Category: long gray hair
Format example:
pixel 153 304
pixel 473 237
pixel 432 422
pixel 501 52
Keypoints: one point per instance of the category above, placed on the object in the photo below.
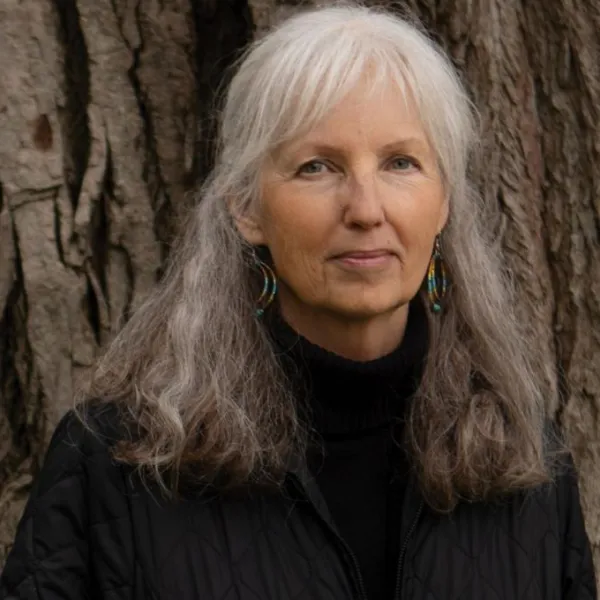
pixel 193 369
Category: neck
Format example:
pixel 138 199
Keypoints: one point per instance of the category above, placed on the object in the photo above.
pixel 356 339
pixel 343 394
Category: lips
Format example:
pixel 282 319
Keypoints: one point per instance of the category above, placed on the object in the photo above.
pixel 364 254
pixel 364 259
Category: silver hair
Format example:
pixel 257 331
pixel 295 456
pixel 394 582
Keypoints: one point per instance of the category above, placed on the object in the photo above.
pixel 194 369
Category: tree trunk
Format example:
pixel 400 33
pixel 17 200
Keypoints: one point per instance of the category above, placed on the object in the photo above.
pixel 106 122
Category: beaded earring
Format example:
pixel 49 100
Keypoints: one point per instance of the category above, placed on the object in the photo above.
pixel 437 281
pixel 269 287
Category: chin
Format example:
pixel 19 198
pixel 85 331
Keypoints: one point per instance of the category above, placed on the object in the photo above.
pixel 368 308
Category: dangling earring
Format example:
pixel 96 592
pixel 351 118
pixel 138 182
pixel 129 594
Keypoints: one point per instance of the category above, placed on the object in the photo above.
pixel 437 282
pixel 269 287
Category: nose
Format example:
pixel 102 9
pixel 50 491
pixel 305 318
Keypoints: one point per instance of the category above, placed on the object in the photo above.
pixel 363 203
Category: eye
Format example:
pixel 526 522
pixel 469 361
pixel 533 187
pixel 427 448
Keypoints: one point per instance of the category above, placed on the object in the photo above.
pixel 403 163
pixel 313 167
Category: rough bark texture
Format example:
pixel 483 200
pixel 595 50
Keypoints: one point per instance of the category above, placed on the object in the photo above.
pixel 107 119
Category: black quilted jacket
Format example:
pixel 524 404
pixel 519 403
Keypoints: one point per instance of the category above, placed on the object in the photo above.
pixel 93 530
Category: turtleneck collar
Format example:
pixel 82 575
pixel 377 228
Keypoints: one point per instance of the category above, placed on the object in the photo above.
pixel 345 396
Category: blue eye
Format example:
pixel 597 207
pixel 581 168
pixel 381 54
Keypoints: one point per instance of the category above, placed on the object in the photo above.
pixel 312 167
pixel 403 163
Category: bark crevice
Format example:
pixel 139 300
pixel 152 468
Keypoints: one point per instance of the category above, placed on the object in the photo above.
pixel 76 134
pixel 57 231
pixel 230 25
pixel 15 378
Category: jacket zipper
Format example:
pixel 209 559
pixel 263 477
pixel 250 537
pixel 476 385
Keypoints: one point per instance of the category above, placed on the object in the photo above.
pixel 361 584
pixel 403 550
pixel 362 594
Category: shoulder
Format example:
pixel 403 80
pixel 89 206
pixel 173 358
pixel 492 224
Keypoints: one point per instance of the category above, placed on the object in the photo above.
pixel 101 424
pixel 83 434
pixel 77 504
pixel 79 478
pixel 566 486
pixel 578 577
pixel 79 462
pixel 563 472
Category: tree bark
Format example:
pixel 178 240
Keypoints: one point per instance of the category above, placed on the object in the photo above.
pixel 107 122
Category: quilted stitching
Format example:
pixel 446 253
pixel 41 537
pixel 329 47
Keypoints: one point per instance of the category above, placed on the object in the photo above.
pixel 509 551
pixel 250 547
pixel 90 531
pixel 56 542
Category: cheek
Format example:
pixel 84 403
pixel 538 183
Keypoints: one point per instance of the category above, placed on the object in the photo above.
pixel 423 210
pixel 297 261
pixel 296 248
pixel 298 230
pixel 299 250
pixel 417 223
pixel 299 268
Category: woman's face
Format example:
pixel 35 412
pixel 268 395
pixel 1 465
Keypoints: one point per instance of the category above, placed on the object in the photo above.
pixel 350 210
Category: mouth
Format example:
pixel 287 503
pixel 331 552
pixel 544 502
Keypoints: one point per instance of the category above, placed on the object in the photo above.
pixel 364 258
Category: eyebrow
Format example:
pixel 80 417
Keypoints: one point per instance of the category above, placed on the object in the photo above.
pixel 320 147
pixel 418 142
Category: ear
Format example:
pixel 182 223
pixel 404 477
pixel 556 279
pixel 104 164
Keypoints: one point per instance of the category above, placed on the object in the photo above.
pixel 444 214
pixel 247 223
pixel 250 229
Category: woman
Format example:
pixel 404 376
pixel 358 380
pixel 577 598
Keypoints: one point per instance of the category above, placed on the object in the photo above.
pixel 328 396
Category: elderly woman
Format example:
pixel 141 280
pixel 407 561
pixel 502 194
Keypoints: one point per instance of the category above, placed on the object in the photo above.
pixel 328 396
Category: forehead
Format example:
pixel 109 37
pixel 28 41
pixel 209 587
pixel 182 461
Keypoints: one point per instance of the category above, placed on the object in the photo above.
pixel 369 114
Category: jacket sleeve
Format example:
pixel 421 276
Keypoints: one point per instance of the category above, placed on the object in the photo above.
pixel 51 556
pixel 578 578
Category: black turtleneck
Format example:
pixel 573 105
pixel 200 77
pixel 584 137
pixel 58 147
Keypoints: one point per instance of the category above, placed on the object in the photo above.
pixel 356 411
